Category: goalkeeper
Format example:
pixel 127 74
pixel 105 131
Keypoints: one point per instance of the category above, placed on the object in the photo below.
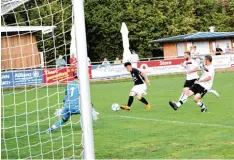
pixel 71 106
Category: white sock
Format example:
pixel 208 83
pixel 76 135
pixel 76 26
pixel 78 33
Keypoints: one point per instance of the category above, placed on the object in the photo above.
pixel 178 104
pixel 200 104
pixel 182 101
pixel 214 92
pixel 94 115
pixel 54 126
pixel 181 96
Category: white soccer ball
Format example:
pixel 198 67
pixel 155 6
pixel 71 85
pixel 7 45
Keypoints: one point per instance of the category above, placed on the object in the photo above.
pixel 115 107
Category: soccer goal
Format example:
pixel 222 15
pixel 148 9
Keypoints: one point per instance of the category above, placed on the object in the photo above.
pixel 35 53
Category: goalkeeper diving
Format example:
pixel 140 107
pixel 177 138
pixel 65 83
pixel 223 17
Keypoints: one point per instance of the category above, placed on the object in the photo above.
pixel 71 106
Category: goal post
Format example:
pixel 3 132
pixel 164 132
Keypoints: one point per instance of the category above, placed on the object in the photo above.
pixel 81 45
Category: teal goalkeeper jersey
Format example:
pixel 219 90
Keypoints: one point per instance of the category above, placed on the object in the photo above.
pixel 72 95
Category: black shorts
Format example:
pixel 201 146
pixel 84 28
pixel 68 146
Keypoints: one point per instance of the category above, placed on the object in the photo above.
pixel 189 83
pixel 197 88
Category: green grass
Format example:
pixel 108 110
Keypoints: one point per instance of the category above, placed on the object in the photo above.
pixel 157 133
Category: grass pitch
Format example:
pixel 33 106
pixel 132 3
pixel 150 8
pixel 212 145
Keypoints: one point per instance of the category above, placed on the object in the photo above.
pixel 158 133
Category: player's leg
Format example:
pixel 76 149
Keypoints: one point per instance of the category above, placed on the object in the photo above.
pixel 66 115
pixel 197 100
pixel 130 100
pixel 185 90
pixel 187 85
pixel 94 113
pixel 184 99
pixel 214 92
pixel 143 100
pixel 191 91
pixel 141 90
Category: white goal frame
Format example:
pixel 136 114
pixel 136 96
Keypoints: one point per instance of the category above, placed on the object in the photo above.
pixel 81 51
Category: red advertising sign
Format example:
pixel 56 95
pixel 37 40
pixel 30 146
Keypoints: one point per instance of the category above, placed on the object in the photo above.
pixel 65 75
pixel 74 69
pixel 161 66
pixel 158 63
pixel 52 75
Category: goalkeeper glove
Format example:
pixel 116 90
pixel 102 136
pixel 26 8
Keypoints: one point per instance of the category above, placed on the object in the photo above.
pixel 94 114
pixel 58 112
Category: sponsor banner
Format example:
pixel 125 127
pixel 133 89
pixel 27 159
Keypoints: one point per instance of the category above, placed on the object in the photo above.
pixel 161 69
pixel 155 63
pixel 155 67
pixel 64 75
pixel 161 66
pixel 167 69
pixel 232 60
pixel 52 75
pixel 221 61
pixel 22 78
pixel 6 79
pixel 31 77
pixel 110 71
pixel 74 69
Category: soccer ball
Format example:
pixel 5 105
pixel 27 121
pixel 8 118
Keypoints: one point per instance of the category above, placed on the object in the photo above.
pixel 115 107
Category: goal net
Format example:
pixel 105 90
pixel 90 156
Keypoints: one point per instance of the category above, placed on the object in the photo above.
pixel 35 53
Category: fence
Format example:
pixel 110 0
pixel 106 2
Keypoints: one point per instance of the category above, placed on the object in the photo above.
pixel 52 75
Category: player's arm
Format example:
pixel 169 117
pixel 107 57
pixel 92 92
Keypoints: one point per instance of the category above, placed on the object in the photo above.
pixel 210 74
pixel 196 69
pixel 205 79
pixel 143 74
pixel 196 54
pixel 195 66
pixel 183 64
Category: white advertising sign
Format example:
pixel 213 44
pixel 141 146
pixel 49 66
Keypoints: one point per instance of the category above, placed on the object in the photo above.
pixel 109 71
pixel 221 61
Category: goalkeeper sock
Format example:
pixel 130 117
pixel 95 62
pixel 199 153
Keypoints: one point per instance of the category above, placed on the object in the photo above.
pixel 130 100
pixel 58 124
pixel 143 100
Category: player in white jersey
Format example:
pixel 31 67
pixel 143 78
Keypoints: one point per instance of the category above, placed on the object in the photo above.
pixel 191 67
pixel 199 89
pixel 201 65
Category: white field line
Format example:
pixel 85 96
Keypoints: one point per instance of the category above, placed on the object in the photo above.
pixel 178 122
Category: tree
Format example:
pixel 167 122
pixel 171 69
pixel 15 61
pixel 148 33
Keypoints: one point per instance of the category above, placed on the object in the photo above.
pixel 146 20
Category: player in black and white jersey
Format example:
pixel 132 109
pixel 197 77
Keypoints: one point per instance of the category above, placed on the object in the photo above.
pixel 201 86
pixel 191 68
pixel 140 79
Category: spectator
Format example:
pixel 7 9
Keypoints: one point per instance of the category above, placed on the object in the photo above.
pixel 89 61
pixel 73 61
pixel 194 51
pixel 105 62
pixel 60 62
pixel 73 64
pixel 117 61
pixel 228 49
pixel 219 51
pixel 134 57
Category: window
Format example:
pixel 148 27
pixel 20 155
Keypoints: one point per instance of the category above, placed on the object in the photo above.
pixel 223 44
pixel 180 49
pixel 203 47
